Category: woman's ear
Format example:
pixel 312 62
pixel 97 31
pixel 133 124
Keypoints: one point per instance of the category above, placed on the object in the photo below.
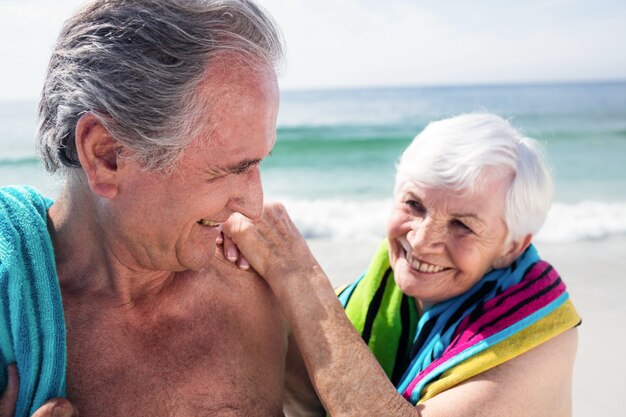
pixel 515 249
pixel 98 154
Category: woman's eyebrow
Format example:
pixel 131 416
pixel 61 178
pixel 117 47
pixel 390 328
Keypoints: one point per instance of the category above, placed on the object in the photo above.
pixel 467 215
pixel 412 195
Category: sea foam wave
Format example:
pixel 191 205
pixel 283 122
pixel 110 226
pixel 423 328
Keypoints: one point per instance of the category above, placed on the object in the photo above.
pixel 359 220
pixel 587 220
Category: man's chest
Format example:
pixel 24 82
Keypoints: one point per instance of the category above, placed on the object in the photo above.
pixel 226 359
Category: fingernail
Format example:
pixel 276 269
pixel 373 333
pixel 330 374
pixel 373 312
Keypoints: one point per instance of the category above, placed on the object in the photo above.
pixel 243 264
pixel 231 254
pixel 59 411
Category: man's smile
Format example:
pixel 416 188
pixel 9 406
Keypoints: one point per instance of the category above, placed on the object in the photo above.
pixel 209 223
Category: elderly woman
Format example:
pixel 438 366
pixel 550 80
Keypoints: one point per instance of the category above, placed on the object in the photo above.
pixel 456 315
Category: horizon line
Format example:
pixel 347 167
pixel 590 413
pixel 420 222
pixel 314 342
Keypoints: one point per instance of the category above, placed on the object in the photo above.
pixel 478 84
pixel 467 84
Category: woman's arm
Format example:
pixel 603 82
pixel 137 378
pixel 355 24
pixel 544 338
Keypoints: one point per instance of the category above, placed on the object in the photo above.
pixel 347 377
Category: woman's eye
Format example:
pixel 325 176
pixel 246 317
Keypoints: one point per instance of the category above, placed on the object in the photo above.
pixel 415 206
pixel 462 226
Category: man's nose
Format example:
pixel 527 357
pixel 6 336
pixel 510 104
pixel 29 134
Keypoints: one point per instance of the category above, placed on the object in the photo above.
pixel 248 196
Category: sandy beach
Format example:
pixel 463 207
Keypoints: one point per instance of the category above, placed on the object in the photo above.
pixel 594 273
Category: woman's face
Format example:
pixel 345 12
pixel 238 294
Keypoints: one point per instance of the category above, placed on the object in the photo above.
pixel 442 242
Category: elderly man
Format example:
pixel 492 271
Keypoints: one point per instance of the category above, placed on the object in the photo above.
pixel 157 113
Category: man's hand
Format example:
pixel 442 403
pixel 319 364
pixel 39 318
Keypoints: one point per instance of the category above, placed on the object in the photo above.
pixel 56 407
pixel 9 396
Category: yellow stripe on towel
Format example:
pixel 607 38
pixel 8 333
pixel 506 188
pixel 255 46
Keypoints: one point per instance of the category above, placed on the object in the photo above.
pixel 563 318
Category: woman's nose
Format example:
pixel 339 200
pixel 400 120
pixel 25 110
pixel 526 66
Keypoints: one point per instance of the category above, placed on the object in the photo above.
pixel 427 234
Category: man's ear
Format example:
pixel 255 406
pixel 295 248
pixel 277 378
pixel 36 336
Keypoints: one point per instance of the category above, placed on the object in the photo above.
pixel 515 249
pixel 98 154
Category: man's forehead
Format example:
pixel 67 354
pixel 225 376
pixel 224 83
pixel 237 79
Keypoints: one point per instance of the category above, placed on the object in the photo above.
pixel 228 78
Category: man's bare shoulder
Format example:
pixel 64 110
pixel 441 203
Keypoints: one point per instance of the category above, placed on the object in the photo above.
pixel 211 342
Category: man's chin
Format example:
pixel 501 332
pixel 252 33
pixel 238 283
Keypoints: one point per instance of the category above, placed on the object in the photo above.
pixel 198 263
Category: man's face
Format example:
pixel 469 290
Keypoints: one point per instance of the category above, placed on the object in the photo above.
pixel 170 222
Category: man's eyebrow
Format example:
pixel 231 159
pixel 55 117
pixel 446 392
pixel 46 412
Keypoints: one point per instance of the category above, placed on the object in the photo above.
pixel 240 167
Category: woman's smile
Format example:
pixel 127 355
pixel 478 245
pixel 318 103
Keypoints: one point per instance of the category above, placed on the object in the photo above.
pixel 416 264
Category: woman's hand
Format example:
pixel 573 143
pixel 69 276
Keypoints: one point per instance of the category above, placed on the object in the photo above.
pixel 231 251
pixel 55 407
pixel 272 245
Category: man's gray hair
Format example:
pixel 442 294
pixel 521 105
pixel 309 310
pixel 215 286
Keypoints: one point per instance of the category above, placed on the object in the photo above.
pixel 456 153
pixel 136 65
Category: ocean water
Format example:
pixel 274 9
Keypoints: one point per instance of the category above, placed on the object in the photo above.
pixel 333 163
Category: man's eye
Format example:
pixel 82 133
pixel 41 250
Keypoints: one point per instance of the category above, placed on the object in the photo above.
pixel 244 168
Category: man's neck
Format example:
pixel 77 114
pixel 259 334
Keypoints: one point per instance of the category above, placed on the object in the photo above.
pixel 87 260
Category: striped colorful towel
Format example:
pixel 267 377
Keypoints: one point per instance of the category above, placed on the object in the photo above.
pixel 508 312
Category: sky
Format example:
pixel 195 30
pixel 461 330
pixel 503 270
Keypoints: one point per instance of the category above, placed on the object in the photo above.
pixel 375 43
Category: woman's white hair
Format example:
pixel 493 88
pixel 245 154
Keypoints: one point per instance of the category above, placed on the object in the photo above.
pixel 458 153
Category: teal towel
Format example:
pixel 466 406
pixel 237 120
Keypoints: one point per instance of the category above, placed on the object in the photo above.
pixel 32 325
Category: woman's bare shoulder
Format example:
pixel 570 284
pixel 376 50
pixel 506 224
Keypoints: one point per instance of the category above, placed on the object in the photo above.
pixel 536 383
